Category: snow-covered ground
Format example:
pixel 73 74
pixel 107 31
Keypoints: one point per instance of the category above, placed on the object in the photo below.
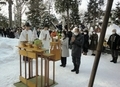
pixel 108 74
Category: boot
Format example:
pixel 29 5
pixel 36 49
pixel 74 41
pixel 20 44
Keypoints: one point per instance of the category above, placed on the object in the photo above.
pixel 64 62
pixel 112 61
pixel 77 69
pixel 73 70
pixel 61 61
pixel 115 60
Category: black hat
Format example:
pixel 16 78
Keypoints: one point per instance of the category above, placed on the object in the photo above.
pixel 27 24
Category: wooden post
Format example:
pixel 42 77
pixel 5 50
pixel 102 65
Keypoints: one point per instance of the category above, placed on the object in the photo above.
pixel 20 66
pixel 10 2
pixel 41 72
pixel 53 72
pixel 25 69
pixel 36 71
pixel 100 45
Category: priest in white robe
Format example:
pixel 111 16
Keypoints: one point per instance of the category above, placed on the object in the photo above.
pixel 45 37
pixel 26 34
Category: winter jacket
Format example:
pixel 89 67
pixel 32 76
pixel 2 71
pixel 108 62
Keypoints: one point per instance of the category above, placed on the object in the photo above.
pixel 93 42
pixel 77 45
pixel 65 47
pixel 113 41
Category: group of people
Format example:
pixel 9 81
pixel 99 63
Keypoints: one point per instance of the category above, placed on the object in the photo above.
pixel 78 41
pixel 9 32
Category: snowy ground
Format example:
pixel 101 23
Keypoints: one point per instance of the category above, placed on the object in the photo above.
pixel 107 74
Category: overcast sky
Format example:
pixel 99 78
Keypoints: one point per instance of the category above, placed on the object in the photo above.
pixel 83 7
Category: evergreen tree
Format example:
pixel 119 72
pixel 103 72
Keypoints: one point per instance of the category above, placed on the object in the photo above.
pixel 37 14
pixel 3 21
pixel 65 6
pixel 116 14
pixel 94 12
pixel 34 14
pixel 74 16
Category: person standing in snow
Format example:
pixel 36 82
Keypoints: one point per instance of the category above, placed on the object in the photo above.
pixel 45 37
pixel 86 42
pixel 64 48
pixel 93 42
pixel 77 41
pixel 26 36
pixel 113 43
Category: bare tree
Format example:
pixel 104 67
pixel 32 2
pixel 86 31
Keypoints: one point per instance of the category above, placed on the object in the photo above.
pixel 18 11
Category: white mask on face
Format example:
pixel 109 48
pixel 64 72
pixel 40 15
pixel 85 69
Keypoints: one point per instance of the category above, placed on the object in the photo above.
pixel 75 33
pixel 85 33
pixel 93 32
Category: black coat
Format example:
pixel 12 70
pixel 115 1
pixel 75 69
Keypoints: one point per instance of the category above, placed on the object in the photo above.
pixel 86 43
pixel 113 41
pixel 93 42
pixel 77 45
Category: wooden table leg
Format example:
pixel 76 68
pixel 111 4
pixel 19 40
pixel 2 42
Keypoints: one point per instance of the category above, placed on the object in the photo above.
pixel 29 67
pixel 48 73
pixel 42 72
pixel 53 72
pixel 36 72
pixel 45 81
pixel 25 68
pixel 20 66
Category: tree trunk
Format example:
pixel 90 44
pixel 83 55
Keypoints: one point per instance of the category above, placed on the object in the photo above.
pixel 10 13
pixel 68 19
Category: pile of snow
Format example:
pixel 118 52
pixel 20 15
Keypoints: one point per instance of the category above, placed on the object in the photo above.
pixel 8 49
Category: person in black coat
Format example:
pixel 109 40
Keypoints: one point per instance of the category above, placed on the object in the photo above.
pixel 86 42
pixel 93 42
pixel 77 41
pixel 113 43
pixel 11 34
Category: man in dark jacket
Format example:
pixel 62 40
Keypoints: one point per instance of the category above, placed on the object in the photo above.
pixel 113 44
pixel 77 42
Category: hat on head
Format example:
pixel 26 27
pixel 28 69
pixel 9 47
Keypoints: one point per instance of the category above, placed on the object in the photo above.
pixel 27 24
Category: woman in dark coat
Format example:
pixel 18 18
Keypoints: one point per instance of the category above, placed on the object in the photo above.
pixel 86 42
pixel 93 42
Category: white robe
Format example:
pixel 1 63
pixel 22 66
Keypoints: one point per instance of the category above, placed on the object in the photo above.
pixel 26 35
pixel 34 34
pixel 46 43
